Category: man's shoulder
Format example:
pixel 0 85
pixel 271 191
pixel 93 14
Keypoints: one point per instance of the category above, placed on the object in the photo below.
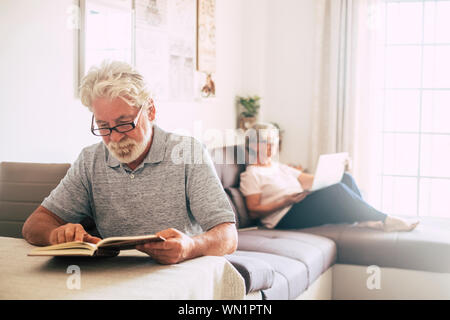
pixel 182 143
pixel 92 152
pixel 186 149
pixel 93 149
pixel 174 139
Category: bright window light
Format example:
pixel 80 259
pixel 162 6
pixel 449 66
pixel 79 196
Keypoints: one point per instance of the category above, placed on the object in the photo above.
pixel 415 161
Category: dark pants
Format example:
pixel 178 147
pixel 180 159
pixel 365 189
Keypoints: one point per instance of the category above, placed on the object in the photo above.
pixel 339 203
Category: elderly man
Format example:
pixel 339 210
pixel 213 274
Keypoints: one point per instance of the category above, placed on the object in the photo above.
pixel 133 183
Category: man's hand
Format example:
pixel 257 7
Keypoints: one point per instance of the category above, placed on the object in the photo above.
pixel 177 247
pixel 295 197
pixel 71 232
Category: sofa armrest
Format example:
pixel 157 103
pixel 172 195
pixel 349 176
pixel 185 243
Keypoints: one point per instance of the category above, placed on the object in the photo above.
pixel 257 274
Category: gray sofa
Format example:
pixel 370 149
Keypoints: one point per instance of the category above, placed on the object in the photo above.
pixel 23 187
pixel 332 261
pixel 326 262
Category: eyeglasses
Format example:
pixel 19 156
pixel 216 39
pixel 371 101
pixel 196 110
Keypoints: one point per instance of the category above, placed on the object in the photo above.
pixel 124 127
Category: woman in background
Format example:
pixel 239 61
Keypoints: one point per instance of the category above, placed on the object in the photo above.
pixel 277 195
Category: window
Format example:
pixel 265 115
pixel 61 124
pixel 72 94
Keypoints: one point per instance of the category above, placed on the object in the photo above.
pixel 106 33
pixel 415 133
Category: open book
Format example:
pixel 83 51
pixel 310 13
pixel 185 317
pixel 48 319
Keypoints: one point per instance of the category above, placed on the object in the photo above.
pixel 106 247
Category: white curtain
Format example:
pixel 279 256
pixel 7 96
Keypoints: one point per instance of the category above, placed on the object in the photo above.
pixel 344 111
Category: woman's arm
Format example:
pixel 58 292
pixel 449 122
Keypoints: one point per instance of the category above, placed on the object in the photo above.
pixel 306 180
pixel 258 211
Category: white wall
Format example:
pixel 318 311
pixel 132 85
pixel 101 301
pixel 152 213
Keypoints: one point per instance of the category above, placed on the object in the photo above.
pixel 264 47
pixel 278 55
pixel 41 120
pixel 288 72
pixel 219 112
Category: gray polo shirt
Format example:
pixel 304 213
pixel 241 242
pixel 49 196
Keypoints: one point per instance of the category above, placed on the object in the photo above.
pixel 176 186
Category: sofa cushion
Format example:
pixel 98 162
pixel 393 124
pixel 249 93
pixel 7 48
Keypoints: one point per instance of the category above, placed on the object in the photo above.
pixel 23 186
pixel 289 252
pixel 229 162
pixel 236 213
pixel 426 248
pixel 239 203
pixel 257 273
pixel 289 278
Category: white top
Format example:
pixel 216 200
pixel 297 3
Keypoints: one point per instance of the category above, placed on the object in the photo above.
pixel 273 183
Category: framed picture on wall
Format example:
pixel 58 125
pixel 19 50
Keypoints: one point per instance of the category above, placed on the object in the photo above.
pixel 206 44
pixel 165 47
pixel 206 36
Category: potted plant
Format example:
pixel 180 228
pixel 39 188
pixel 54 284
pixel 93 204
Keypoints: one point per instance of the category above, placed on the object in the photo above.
pixel 249 107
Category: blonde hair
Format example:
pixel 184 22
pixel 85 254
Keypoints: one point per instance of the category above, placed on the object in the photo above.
pixel 114 79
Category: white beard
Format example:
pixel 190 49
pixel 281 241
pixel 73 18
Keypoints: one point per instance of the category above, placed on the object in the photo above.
pixel 128 150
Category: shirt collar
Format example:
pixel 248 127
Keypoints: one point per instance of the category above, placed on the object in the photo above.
pixel 155 154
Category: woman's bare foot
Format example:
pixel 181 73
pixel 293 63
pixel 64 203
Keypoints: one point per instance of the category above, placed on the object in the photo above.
pixel 392 224
pixel 378 225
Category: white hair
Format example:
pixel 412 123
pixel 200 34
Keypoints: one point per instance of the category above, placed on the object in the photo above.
pixel 261 131
pixel 263 126
pixel 114 79
pixel 264 131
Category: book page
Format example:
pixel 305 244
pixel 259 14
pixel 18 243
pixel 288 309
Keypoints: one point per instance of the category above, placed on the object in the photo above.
pixel 69 245
pixel 106 247
pixel 124 243
pixel 63 252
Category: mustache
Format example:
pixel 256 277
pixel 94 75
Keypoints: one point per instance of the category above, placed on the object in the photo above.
pixel 126 144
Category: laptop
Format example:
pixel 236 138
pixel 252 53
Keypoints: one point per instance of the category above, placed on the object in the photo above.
pixel 330 170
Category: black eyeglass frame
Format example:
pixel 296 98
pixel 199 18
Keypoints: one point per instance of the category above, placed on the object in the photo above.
pixel 133 125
